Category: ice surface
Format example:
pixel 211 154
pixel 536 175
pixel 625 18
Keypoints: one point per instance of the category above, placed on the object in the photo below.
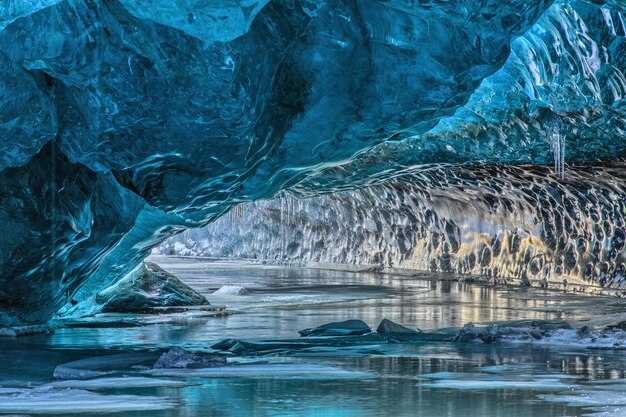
pixel 231 290
pixel 527 376
pixel 118 383
pixel 342 328
pixel 101 365
pixel 262 371
pixel 179 358
pixel 597 402
pixel 542 384
pixel 11 10
pixel 46 400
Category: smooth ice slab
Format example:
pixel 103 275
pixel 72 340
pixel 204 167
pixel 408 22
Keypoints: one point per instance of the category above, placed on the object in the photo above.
pixel 290 370
pixel 118 383
pixel 72 401
pixel 101 365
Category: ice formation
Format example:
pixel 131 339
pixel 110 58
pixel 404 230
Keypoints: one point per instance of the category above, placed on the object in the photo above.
pixel 518 225
pixel 124 122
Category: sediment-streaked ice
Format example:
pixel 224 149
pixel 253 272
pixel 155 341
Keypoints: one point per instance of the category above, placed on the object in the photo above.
pixel 47 400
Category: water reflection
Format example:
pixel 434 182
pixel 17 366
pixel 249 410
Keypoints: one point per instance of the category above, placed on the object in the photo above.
pixel 285 300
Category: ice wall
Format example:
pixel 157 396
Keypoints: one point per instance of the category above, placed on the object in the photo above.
pixel 123 122
pixel 520 225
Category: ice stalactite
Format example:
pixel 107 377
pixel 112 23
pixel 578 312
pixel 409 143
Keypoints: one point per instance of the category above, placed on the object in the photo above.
pixel 557 140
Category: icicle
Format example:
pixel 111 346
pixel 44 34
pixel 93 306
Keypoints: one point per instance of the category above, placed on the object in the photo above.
pixel 557 141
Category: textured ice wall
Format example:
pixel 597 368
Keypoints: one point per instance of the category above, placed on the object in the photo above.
pixel 123 122
pixel 519 224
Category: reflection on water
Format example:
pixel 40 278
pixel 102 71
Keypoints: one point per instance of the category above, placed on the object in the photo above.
pixel 398 380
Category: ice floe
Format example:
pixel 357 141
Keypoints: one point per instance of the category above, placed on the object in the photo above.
pixel 261 371
pixel 231 290
pixel 118 383
pixel 48 400
pixel 528 376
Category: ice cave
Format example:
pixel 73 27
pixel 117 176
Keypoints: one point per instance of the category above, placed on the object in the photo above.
pixel 313 208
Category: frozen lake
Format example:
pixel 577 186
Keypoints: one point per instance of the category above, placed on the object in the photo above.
pixel 560 377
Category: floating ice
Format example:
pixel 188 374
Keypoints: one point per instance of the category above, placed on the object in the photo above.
pixel 341 328
pixel 231 290
pixel 101 365
pixel 47 400
pixel 118 383
pixel 586 396
pixel 179 358
pixel 531 377
pixel 541 384
pixel 262 371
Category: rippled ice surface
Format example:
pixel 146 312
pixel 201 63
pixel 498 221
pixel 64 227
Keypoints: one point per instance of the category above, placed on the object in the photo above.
pixel 426 379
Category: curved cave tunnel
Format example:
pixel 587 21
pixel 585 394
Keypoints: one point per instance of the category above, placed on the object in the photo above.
pixel 483 139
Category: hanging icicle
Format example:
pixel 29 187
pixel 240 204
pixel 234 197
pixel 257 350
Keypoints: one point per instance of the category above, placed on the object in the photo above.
pixel 557 140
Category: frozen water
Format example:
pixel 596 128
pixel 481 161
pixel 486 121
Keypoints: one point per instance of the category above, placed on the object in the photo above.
pixel 46 400
pixel 540 384
pixel 101 365
pixel 278 370
pixel 377 377
pixel 531 377
pixel 118 383
pixel 231 290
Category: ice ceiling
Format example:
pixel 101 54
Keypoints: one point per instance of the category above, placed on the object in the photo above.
pixel 124 122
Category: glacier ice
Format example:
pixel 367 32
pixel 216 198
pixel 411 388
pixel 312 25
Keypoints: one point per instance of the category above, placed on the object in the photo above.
pixel 520 224
pixel 124 122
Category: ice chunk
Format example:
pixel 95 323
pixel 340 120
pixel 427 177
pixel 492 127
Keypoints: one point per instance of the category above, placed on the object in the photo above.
pixel 261 371
pixel 588 396
pixel 101 365
pixel 180 358
pixel 149 288
pixel 231 290
pixel 388 326
pixel 341 328
pixel 46 400
pixel 118 383
pixel 541 384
